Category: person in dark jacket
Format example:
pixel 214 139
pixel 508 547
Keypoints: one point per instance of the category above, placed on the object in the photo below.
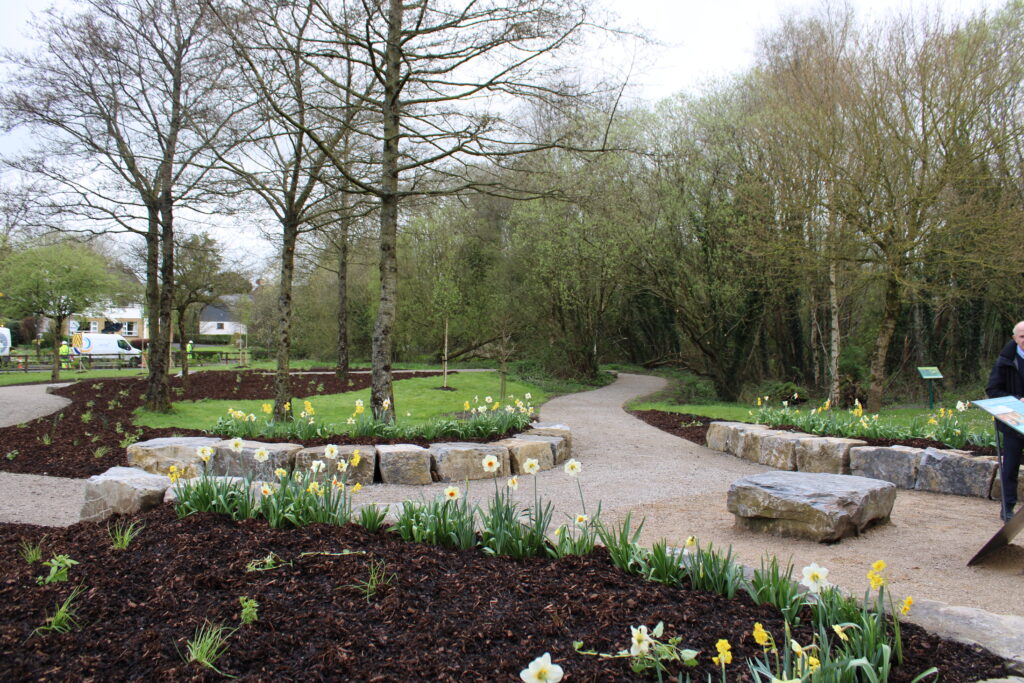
pixel 1007 379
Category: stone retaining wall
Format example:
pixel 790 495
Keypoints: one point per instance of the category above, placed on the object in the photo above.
pixel 924 469
pixel 124 490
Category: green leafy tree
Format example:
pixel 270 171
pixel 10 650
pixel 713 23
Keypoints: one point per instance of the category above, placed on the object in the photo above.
pixel 56 281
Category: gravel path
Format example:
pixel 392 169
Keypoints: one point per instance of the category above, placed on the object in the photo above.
pixel 31 498
pixel 679 488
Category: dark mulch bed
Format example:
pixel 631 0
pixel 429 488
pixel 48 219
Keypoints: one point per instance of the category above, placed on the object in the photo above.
pixel 695 428
pixel 445 615
pixel 86 437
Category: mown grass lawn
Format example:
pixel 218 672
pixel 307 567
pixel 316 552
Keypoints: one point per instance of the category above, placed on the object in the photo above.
pixel 416 400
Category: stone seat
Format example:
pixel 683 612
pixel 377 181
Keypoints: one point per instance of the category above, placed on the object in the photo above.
pixel 819 507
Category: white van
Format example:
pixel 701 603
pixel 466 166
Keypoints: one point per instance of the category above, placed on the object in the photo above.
pixel 106 346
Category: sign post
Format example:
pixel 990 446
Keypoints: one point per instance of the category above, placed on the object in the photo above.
pixel 1010 411
pixel 930 374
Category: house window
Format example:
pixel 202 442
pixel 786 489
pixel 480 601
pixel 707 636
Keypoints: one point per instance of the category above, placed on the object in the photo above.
pixel 220 326
pixel 94 326
pixel 129 330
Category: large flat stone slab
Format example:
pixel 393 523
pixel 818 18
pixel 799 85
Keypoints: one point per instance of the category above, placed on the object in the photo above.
pixel 404 464
pixel 157 455
pixel 779 450
pixel 122 490
pixel 725 436
pixel 521 450
pixel 825 454
pixel 554 429
pixel 459 461
pixel 559 446
pixel 895 464
pixel 821 507
pixel 227 462
pixel 955 472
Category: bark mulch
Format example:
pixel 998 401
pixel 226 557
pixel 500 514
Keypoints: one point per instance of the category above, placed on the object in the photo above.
pixel 91 435
pixel 440 615
pixel 695 428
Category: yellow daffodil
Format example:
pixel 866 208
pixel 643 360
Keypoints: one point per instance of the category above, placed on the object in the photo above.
pixel 287 406
pixel 357 487
pixel 840 631
pixel 761 636
pixel 356 458
pixel 905 607
pixel 465 406
pixel 267 408
pixel 281 472
pixel 724 652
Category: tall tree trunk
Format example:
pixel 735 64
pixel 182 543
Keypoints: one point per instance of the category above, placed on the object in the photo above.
pixel 382 391
pixel 444 359
pixel 152 296
pixel 282 385
pixel 341 370
pixel 834 338
pixel 158 393
pixel 890 314
pixel 184 351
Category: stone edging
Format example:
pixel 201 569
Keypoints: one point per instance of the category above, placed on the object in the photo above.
pixel 923 469
pixel 127 490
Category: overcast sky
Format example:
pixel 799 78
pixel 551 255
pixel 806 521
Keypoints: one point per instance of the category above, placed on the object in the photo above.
pixel 701 40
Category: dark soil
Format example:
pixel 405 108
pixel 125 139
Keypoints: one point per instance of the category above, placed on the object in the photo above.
pixel 442 615
pixel 91 435
pixel 695 428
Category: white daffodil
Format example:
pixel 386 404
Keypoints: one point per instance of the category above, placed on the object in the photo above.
pixel 527 396
pixel 342 465
pixel 531 466
pixel 488 399
pixel 490 463
pixel 641 641
pixel 815 578
pixel 451 493
pixel 513 483
pixel 261 455
pixel 542 670
pixel 316 466
pixel 235 444
pixel 386 405
pixel 330 451
pixel 573 467
pixel 961 406
pixel 581 519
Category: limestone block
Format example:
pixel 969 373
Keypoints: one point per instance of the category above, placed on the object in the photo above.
pixel 559 446
pixel 779 450
pixel 825 454
pixel 553 429
pixel 228 463
pixel 520 450
pixel 896 464
pixel 157 455
pixel 122 490
pixel 821 507
pixel 724 436
pixel 1001 634
pixel 171 494
pixel 955 472
pixel 458 461
pixel 404 464
pixel 748 442
pixel 996 493
pixel 360 474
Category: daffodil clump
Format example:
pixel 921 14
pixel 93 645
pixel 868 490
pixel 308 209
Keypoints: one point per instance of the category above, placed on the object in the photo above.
pixel 285 499
pixel 481 421
pixel 947 425
pixel 649 653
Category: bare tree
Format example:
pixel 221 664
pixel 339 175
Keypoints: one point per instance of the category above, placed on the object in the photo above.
pixel 123 101
pixel 447 77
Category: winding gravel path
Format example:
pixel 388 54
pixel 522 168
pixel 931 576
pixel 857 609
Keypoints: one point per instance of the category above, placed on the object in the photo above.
pixel 678 488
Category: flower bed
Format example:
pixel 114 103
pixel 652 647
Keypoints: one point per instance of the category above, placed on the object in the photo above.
pixel 321 601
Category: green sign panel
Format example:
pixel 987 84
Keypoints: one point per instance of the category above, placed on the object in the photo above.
pixel 930 373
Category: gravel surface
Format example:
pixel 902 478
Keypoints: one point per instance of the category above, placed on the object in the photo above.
pixel 679 488
pixel 27 402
